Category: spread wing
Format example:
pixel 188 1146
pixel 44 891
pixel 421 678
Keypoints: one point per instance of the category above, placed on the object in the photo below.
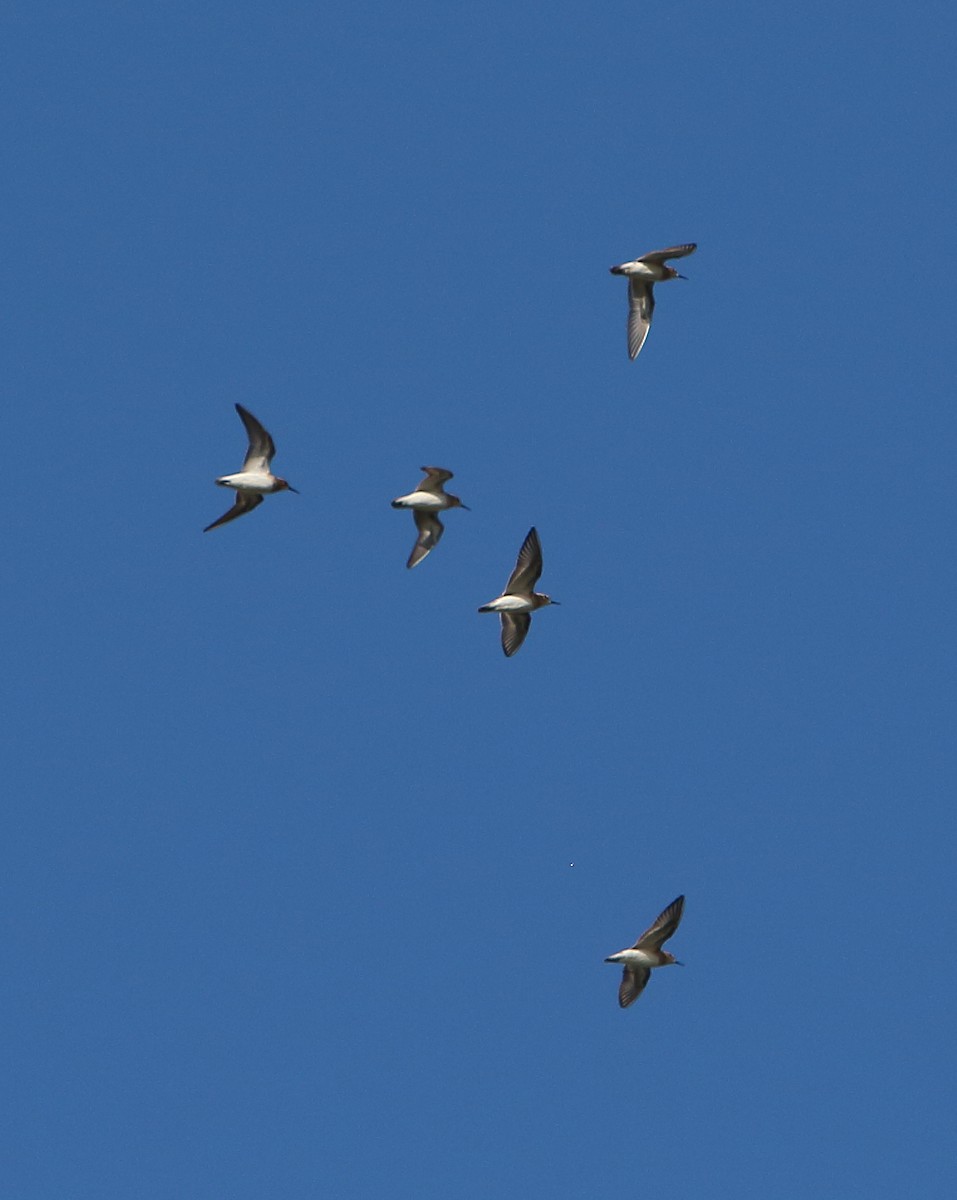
pixel 633 982
pixel 245 502
pixel 641 304
pixel 664 926
pixel 434 478
pixel 430 530
pixel 528 569
pixel 515 627
pixel 661 256
pixel 261 447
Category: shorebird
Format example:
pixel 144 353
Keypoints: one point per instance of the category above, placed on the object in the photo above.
pixel 643 273
pixel 518 601
pixel 646 953
pixel 255 479
pixel 427 501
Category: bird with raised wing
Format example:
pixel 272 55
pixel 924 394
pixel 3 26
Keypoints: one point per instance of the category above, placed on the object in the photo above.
pixel 519 599
pixel 643 273
pixel 256 479
pixel 427 501
pixel 641 959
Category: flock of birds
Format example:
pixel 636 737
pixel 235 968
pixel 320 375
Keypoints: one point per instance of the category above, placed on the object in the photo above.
pixel 518 599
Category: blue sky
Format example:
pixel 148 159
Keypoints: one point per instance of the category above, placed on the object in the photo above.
pixel 306 888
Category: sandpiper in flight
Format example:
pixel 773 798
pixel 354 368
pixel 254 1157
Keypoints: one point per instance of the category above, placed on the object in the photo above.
pixel 646 953
pixel 643 273
pixel 427 501
pixel 255 479
pixel 518 601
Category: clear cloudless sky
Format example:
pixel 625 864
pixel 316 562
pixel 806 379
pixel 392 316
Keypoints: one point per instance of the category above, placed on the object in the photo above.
pixel 305 887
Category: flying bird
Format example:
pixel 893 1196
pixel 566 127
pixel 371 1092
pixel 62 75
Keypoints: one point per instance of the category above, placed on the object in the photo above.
pixel 643 273
pixel 427 501
pixel 646 954
pixel 256 479
pixel 518 601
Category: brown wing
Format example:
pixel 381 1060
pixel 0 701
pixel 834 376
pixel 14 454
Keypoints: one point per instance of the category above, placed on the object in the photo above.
pixel 245 502
pixel 641 305
pixel 262 449
pixel 664 926
pixel 515 627
pixel 430 530
pixel 435 477
pixel 633 982
pixel 661 256
pixel 528 568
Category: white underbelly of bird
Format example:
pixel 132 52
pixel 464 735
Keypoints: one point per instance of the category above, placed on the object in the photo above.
pixel 510 604
pixel 248 482
pixel 427 501
pixel 635 958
